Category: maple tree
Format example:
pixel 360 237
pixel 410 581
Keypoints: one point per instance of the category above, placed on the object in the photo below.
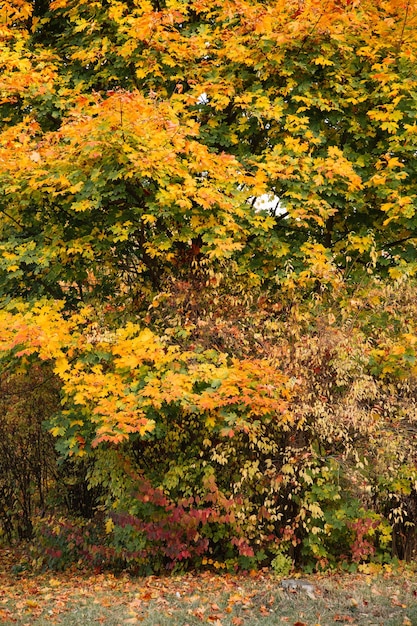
pixel 226 359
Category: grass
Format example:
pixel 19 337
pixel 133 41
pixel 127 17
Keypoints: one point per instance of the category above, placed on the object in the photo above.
pixel 74 598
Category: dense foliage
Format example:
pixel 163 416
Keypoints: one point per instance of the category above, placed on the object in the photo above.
pixel 207 259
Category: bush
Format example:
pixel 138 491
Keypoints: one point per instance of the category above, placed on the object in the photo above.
pixel 59 543
pixel 301 451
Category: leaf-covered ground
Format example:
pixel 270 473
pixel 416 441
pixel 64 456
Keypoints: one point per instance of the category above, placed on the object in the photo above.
pixel 75 598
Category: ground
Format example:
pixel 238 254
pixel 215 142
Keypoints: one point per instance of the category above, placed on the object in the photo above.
pixel 77 598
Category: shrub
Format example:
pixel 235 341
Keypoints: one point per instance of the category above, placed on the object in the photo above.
pixel 61 542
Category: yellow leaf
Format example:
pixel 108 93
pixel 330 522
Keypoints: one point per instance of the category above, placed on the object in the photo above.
pixel 32 604
pixel 56 431
pixel 322 61
pixel 109 526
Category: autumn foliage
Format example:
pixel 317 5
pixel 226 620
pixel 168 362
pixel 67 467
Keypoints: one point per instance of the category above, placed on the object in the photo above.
pixel 207 273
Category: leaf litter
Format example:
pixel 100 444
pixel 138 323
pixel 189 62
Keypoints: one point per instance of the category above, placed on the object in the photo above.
pixel 76 597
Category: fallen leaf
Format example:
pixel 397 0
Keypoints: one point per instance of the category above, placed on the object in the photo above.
pixel 199 612
pixel 32 604
pixel 5 615
pixel 214 619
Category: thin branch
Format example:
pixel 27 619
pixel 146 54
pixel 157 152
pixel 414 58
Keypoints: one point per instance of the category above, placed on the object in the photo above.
pixel 11 218
pixel 392 244
pixel 307 37
pixel 281 216
pixel 400 43
pixel 121 119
